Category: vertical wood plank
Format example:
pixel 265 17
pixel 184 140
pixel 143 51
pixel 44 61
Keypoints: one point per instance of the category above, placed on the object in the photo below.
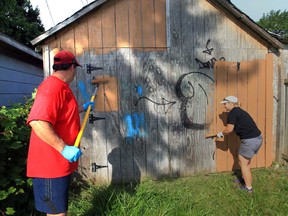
pixel 122 20
pixel 81 35
pixel 243 85
pixel 252 96
pixel 95 31
pixel 176 130
pixel 242 89
pixel 162 67
pixel 67 39
pixel 269 110
pixel 148 23
pixel 199 23
pixel 135 24
pixel 175 24
pixel 86 142
pixel 160 23
pixel 99 128
pixel 187 21
pixel 221 116
pixel 232 138
pixel 138 114
pixel 111 123
pixel 260 157
pixel 116 149
pixel 108 26
pixel 126 127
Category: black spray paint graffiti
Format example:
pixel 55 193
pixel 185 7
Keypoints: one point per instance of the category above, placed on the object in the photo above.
pixel 209 64
pixel 188 123
pixel 164 103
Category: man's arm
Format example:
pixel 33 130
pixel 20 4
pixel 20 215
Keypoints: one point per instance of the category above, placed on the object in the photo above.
pixel 46 132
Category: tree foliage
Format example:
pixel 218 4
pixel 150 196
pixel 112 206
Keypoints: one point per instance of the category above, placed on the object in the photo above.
pixel 275 22
pixel 20 21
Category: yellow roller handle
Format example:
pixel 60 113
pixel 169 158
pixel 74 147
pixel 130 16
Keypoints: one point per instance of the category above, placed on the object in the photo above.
pixel 79 136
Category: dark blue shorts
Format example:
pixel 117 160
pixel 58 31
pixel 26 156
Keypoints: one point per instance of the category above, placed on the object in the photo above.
pixel 51 194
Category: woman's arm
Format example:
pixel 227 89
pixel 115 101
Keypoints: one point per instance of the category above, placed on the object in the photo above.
pixel 229 128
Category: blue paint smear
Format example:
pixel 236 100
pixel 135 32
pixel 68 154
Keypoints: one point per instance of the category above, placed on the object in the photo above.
pixel 139 90
pixel 129 125
pixel 83 91
pixel 136 122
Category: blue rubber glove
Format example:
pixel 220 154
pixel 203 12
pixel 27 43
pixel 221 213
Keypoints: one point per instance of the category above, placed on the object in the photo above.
pixel 71 153
pixel 86 105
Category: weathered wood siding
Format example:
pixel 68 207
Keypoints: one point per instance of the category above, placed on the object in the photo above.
pixel 18 78
pixel 283 126
pixel 163 55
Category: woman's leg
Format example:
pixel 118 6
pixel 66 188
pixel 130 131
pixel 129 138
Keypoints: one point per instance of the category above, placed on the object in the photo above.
pixel 246 170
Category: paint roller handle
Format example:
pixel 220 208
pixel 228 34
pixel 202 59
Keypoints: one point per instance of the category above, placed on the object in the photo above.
pixel 210 136
pixel 80 134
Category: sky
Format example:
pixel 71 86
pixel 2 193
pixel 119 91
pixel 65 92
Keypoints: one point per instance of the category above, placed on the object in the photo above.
pixel 55 11
pixel 256 8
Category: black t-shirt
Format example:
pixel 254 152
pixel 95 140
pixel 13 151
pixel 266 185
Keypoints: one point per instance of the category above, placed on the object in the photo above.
pixel 244 125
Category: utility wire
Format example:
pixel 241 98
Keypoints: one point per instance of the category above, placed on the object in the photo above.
pixel 50 12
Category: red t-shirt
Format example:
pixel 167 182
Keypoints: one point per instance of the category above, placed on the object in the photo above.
pixel 54 103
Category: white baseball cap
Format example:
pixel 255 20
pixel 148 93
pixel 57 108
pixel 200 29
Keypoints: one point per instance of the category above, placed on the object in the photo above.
pixel 232 99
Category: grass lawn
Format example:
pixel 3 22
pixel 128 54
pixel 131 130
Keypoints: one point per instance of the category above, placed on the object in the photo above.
pixel 213 194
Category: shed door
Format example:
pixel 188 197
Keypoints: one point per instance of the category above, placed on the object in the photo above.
pixel 251 82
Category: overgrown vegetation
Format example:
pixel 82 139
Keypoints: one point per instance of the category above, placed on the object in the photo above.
pixel 15 188
pixel 213 194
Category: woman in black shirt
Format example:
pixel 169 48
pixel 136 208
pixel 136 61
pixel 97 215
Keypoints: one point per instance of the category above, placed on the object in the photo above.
pixel 251 139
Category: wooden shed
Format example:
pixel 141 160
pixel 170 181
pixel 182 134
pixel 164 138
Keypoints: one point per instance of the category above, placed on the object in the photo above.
pixel 21 71
pixel 170 63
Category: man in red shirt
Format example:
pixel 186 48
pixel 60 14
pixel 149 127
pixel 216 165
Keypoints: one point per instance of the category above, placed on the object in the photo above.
pixel 55 123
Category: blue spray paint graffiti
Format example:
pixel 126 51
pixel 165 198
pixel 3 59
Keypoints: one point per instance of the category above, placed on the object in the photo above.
pixel 138 128
pixel 135 123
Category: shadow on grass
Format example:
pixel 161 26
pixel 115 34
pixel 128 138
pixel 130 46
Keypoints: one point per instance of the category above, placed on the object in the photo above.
pixel 98 200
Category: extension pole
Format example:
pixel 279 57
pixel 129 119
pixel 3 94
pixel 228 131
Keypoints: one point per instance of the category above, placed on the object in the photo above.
pixel 80 134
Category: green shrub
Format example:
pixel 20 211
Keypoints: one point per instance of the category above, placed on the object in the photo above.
pixel 16 194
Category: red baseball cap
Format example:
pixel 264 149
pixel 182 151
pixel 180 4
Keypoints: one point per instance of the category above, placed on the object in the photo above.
pixel 65 57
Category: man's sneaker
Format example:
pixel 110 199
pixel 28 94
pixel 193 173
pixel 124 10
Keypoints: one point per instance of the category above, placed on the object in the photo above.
pixel 244 188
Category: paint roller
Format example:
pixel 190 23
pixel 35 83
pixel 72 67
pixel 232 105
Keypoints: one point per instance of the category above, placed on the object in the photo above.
pixel 210 136
pixel 98 81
